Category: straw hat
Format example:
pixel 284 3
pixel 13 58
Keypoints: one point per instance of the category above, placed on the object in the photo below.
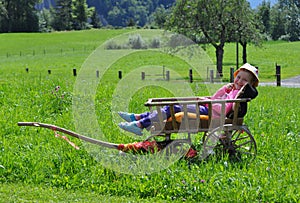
pixel 251 69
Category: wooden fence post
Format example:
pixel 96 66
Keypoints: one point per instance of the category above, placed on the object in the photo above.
pixel 168 75
pixel 191 75
pixel 143 75
pixel 74 72
pixel 211 76
pixel 278 76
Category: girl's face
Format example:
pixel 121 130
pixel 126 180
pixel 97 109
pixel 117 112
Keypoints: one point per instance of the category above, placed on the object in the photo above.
pixel 242 78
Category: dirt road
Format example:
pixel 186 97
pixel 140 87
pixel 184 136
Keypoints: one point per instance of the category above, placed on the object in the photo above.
pixel 290 82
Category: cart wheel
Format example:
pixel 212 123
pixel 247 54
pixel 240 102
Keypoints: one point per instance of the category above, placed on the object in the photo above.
pixel 177 147
pixel 236 141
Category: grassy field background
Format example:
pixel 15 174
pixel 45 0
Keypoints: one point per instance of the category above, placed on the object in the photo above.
pixel 70 49
pixel 265 57
pixel 37 167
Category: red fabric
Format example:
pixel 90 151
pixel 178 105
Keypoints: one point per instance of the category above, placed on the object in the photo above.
pixel 191 153
pixel 139 147
pixel 66 139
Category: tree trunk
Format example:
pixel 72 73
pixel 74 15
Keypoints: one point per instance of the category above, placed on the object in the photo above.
pixel 244 45
pixel 219 56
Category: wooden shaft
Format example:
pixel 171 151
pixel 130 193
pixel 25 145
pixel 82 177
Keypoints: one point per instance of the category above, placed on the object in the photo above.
pixel 71 133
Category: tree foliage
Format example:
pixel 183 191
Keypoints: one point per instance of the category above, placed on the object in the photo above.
pixel 263 14
pixel 245 28
pixel 220 21
pixel 3 13
pixel 120 13
pixel 18 16
pixel 293 20
pixel 95 18
pixel 160 16
pixel 79 14
pixel 62 15
pixel 283 21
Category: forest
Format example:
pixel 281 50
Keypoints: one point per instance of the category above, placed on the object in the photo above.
pixel 277 22
pixel 122 13
pixel 119 13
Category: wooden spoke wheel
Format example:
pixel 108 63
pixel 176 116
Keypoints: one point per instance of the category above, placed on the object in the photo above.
pixel 177 147
pixel 236 141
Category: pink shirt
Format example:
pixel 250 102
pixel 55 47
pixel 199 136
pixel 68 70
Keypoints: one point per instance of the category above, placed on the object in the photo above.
pixel 222 94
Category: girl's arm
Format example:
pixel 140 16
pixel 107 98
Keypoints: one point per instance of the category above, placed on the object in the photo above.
pixel 219 93
pixel 222 91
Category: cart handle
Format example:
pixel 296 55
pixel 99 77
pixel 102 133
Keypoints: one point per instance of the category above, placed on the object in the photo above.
pixel 185 100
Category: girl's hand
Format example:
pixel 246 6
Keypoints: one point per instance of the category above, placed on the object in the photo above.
pixel 229 87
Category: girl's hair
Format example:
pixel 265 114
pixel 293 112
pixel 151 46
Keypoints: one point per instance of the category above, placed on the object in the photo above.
pixel 253 70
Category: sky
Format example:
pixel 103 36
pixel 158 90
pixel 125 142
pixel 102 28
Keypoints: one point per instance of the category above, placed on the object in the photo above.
pixel 255 3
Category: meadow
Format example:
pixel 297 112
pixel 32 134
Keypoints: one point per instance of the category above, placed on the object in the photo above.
pixel 35 166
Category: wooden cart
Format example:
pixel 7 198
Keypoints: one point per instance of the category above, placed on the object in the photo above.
pixel 226 134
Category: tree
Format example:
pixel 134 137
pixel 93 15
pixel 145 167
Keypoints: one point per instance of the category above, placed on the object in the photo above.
pixel 264 15
pixel 44 20
pixel 245 28
pixel 117 15
pixel 3 15
pixel 62 15
pixel 122 13
pixel 18 16
pixel 214 18
pixel 160 16
pixel 95 18
pixel 79 14
pixel 293 20
pixel 141 15
pixel 285 20
pixel 277 22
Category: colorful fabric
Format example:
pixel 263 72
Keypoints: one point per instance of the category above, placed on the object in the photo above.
pixel 180 115
pixel 148 117
pixel 149 147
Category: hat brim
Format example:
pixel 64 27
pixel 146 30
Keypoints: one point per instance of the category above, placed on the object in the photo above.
pixel 257 79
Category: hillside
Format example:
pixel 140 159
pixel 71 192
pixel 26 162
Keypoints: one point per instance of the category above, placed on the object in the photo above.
pixel 120 13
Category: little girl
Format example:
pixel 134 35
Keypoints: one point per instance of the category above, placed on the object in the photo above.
pixel 245 74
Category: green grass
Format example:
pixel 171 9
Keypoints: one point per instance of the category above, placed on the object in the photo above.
pixel 37 193
pixel 63 51
pixel 26 43
pixel 37 167
pixel 59 52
